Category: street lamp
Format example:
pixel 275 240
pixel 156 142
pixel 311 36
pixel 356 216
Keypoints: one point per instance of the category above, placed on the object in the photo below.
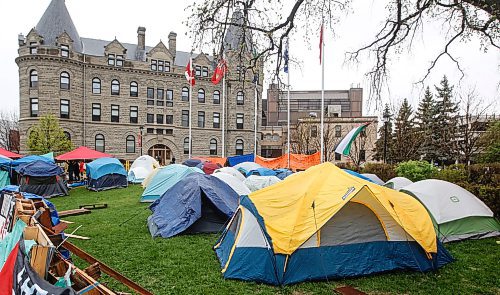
pixel 141 129
pixel 386 118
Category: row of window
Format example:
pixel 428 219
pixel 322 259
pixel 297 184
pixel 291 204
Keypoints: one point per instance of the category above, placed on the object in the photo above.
pixel 134 114
pixel 64 49
pixel 160 65
pixel 130 145
pixel 338 131
pixel 239 147
pixel 134 90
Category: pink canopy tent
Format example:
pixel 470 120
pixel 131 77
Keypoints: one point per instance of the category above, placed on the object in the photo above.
pixel 82 153
pixel 9 154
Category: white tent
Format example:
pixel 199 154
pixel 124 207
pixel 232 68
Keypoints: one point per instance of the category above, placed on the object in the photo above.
pixel 374 178
pixel 237 185
pixel 398 182
pixel 247 166
pixel 141 168
pixel 231 171
pixel 256 182
pixel 457 214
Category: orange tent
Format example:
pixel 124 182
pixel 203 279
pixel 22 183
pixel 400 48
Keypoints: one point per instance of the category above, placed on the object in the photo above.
pixel 297 161
pixel 216 160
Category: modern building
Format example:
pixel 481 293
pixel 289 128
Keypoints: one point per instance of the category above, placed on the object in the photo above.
pixel 304 104
pixel 128 99
pixel 343 111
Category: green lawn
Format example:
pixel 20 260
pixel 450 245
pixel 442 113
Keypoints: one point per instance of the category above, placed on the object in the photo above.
pixel 187 264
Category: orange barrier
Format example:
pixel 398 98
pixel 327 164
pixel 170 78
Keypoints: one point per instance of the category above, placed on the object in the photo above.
pixel 297 161
pixel 216 160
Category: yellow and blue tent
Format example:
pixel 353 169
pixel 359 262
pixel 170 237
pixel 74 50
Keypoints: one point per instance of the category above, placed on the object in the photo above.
pixel 325 223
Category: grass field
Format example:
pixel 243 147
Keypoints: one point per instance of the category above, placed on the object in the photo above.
pixel 187 264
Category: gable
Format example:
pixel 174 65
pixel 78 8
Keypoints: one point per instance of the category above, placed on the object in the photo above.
pixel 115 47
pixel 202 59
pixel 160 51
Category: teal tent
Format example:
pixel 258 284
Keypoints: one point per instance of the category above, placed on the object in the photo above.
pixel 165 178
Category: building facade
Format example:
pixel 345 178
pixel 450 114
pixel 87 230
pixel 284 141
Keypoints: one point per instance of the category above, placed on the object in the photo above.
pixel 343 112
pixel 132 99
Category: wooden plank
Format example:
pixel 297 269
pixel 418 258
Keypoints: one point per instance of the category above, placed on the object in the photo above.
pixel 77 237
pixel 106 269
pixel 73 212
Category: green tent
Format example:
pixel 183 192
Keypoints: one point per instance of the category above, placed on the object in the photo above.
pixel 457 214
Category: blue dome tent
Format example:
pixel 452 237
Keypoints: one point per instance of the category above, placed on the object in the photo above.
pixel 41 178
pixel 165 178
pixel 197 203
pixel 106 173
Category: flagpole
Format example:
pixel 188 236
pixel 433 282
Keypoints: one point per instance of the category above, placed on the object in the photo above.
pixel 255 120
pixel 322 96
pixel 190 106
pixel 223 110
pixel 288 114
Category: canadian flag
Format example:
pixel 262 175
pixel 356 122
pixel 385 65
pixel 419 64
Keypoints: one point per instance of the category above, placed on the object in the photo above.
pixel 219 72
pixel 190 72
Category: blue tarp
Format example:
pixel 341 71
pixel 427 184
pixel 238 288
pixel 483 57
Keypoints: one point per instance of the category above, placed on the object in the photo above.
pixel 39 169
pixel 32 158
pixel 283 173
pixel 235 160
pixel 262 172
pixel 165 178
pixel 105 166
pixel 358 175
pixel 53 211
pixel 181 205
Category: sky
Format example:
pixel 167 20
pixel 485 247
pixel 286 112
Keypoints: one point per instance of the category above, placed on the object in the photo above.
pixel 120 18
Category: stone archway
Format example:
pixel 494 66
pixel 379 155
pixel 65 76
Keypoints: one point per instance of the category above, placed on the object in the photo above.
pixel 161 153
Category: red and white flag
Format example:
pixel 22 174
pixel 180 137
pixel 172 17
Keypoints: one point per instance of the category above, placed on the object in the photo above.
pixel 219 72
pixel 190 72
pixel 320 43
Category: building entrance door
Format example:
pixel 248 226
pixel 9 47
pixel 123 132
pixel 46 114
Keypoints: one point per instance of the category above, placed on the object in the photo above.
pixel 161 153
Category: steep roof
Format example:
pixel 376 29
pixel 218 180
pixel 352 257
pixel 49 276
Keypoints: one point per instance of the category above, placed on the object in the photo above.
pixel 55 21
pixel 235 33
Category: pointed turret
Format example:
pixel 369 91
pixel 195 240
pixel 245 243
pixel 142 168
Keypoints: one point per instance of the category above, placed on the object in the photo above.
pixel 235 34
pixel 54 22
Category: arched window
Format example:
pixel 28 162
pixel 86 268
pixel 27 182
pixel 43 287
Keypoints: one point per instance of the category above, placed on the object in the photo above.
pixel 100 144
pixel 115 87
pixel 213 146
pixel 185 94
pixel 96 86
pixel 338 131
pixel 201 96
pixel 240 98
pixel 68 135
pixel 239 147
pixel 34 78
pixel 134 89
pixel 216 97
pixel 186 145
pixel 64 80
pixel 130 144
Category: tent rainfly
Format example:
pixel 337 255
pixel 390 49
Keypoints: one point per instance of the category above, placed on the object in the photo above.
pixel 42 178
pixel 457 214
pixel 397 183
pixel 256 182
pixel 199 203
pixel 232 171
pixel 106 173
pixel 141 168
pixel 237 185
pixel 374 178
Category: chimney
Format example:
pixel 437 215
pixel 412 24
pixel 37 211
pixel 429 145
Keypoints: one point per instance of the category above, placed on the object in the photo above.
pixel 141 38
pixel 172 43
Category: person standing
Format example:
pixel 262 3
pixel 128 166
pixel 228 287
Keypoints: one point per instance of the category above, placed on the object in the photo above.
pixel 82 169
pixel 70 170
pixel 76 171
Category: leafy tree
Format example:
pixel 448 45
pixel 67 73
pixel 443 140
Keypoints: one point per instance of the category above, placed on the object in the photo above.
pixel 416 170
pixel 406 140
pixel 446 131
pixel 490 141
pixel 379 144
pixel 47 136
pixel 426 126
